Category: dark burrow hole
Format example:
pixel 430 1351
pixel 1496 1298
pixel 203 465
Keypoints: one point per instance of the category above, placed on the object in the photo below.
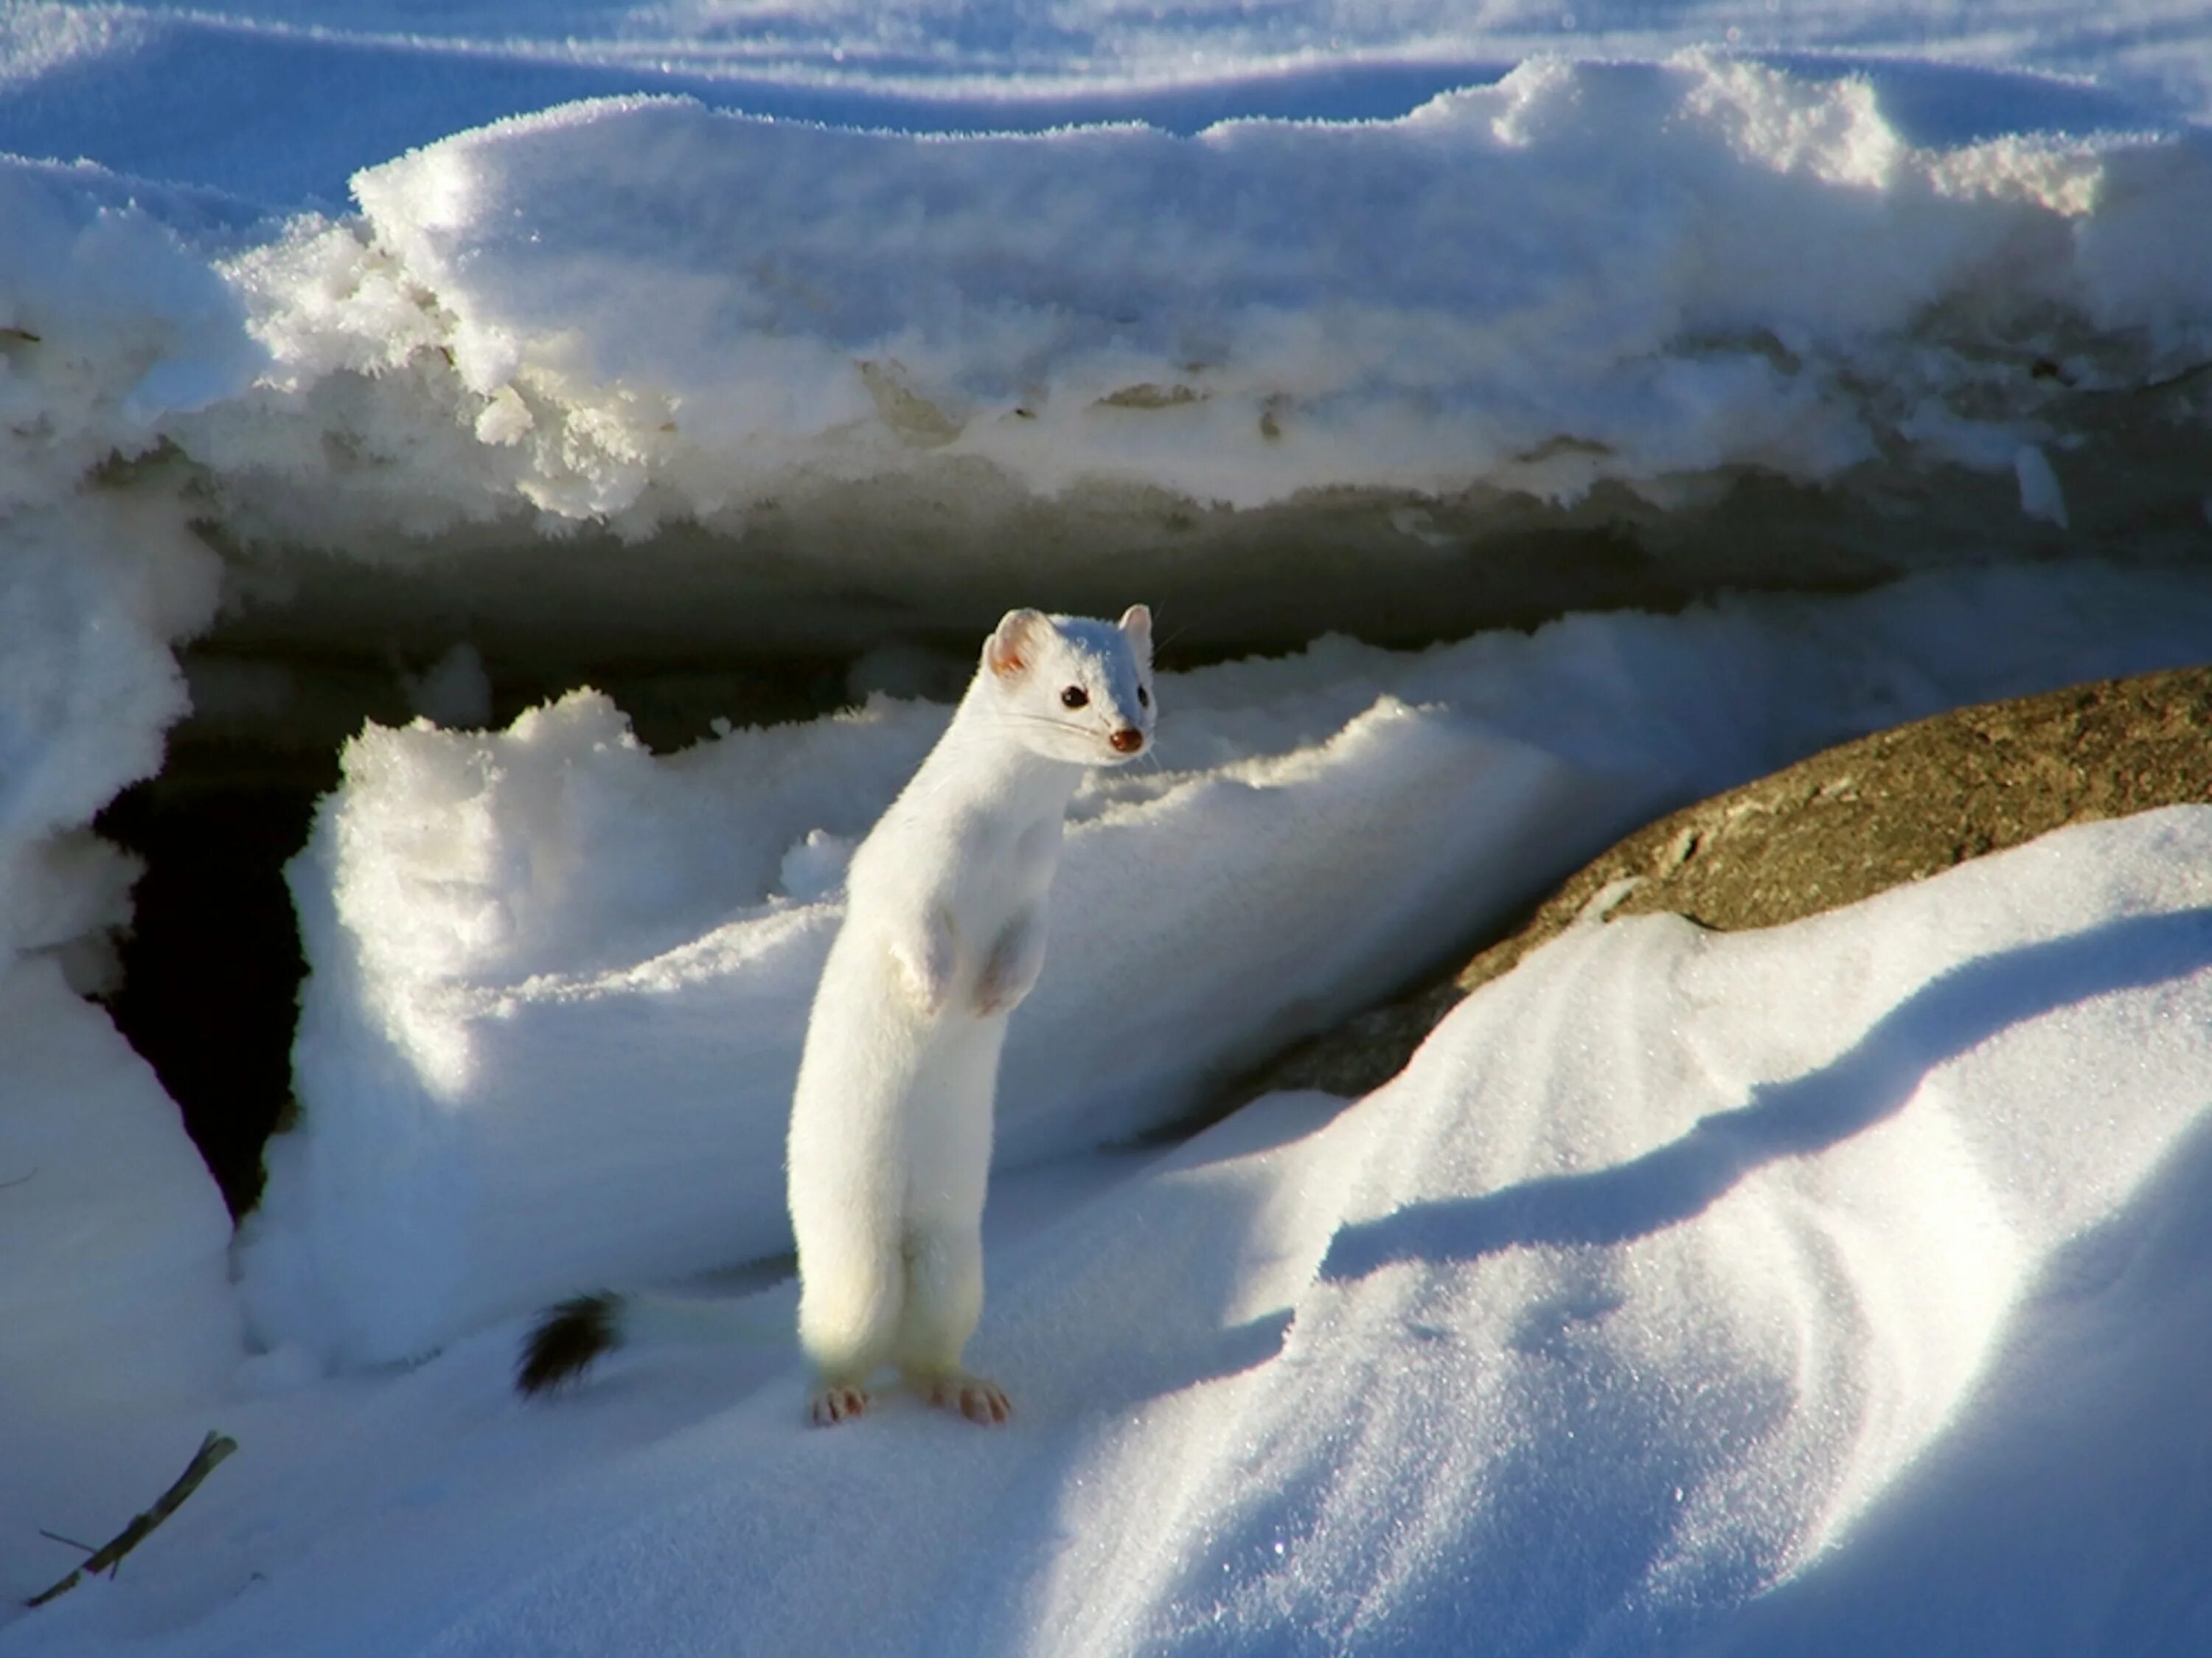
pixel 211 967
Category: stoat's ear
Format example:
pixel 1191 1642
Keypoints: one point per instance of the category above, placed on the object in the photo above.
pixel 1012 644
pixel 1137 623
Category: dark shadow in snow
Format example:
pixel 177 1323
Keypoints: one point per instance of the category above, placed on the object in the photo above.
pixel 1190 1358
pixel 1809 1113
pixel 1145 1291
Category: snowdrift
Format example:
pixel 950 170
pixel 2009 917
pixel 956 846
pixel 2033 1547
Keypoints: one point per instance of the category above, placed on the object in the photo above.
pixel 1687 1291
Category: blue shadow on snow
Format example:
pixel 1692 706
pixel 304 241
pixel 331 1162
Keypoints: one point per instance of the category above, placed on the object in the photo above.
pixel 1869 1083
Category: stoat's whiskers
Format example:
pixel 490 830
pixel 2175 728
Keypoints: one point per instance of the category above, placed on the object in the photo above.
pixel 1007 716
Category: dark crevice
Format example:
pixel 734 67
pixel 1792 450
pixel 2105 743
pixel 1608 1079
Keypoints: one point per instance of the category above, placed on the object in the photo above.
pixel 211 967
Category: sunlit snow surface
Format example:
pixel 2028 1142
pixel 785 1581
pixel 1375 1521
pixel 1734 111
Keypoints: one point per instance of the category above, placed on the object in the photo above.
pixel 1675 1265
pixel 1835 1289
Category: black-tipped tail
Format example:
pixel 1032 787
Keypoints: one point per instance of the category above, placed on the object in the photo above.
pixel 568 1337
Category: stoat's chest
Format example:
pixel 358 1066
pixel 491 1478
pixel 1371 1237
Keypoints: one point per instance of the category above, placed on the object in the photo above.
pixel 983 864
pixel 998 867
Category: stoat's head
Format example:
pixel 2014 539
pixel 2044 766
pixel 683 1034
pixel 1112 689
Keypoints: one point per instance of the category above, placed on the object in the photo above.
pixel 1073 688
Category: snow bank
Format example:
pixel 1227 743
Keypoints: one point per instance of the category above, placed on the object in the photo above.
pixel 115 1292
pixel 557 984
pixel 116 1288
pixel 686 368
pixel 1676 1269
pixel 637 310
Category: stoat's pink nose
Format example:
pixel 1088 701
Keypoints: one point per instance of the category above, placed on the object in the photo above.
pixel 1128 741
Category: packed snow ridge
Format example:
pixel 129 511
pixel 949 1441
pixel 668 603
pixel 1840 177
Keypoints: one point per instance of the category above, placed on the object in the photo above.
pixel 783 358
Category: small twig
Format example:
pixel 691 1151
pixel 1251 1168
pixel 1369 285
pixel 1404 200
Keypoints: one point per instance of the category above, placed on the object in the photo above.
pixel 86 1548
pixel 18 1180
pixel 212 1450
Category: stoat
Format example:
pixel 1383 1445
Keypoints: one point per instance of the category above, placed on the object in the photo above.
pixel 943 935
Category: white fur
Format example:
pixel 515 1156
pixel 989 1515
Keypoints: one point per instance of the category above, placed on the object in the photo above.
pixel 943 935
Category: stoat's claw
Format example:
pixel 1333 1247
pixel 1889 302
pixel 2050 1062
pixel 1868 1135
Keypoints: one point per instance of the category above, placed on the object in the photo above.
pixel 833 1404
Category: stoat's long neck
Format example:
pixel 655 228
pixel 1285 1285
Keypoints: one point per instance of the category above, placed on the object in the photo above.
pixel 981 764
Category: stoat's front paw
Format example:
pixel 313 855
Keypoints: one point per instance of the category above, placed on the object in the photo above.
pixel 993 997
pixel 833 1402
pixel 979 1401
pixel 929 961
pixel 1010 972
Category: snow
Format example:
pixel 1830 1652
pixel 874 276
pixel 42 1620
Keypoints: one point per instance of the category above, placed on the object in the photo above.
pixel 1839 1288
pixel 1128 303
pixel 114 1236
pixel 1665 1273
pixel 286 101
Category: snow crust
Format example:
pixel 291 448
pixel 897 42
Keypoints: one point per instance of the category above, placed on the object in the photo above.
pixel 552 975
pixel 867 361
pixel 99 307
pixel 632 310
pixel 1675 1268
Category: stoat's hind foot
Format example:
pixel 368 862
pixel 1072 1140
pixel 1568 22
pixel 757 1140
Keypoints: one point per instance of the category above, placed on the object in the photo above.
pixel 833 1402
pixel 981 1402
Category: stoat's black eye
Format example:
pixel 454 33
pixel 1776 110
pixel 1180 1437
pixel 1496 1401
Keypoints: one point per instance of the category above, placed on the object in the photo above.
pixel 1074 697
pixel 1144 697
